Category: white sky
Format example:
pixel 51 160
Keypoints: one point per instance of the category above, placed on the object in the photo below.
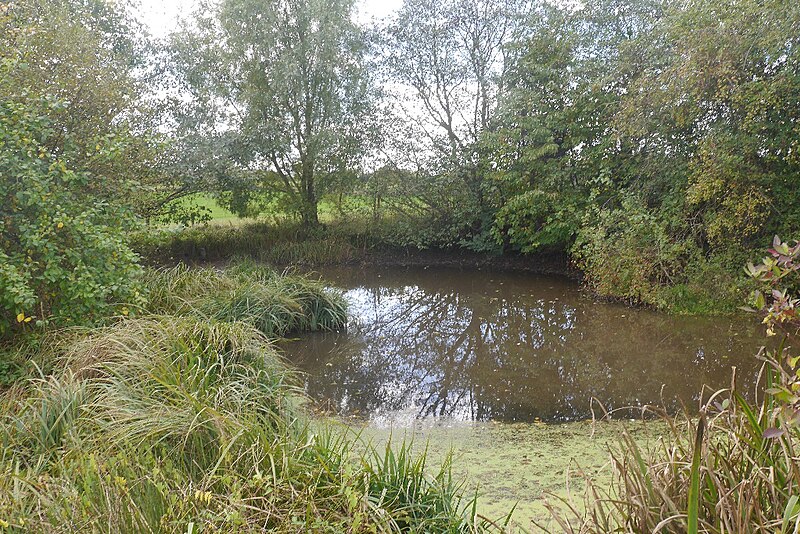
pixel 161 16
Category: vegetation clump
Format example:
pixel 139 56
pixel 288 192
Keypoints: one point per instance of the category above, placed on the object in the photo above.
pixel 275 304
pixel 63 260
pixel 733 469
pixel 189 419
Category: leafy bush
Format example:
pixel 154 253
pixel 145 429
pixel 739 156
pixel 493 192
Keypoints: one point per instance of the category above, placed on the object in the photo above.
pixel 642 257
pixel 63 259
pixel 536 219
pixel 629 253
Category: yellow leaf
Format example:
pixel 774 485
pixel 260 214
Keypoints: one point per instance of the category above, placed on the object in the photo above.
pixel 20 317
pixel 28 319
pixel 60 225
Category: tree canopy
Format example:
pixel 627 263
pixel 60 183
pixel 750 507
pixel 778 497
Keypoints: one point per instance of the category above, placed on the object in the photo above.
pixel 654 143
pixel 288 79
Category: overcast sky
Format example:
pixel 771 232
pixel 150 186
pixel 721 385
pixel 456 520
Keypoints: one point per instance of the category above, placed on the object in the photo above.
pixel 161 15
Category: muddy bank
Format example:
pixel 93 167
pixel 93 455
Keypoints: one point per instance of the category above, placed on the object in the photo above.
pixel 282 248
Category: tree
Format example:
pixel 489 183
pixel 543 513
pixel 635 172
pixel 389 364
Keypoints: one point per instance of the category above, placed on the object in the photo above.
pixel 287 79
pixel 445 61
pixel 717 101
pixel 85 54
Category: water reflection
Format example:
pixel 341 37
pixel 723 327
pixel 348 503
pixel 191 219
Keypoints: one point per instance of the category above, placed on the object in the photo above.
pixel 509 347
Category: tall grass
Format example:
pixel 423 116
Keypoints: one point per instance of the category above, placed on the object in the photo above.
pixel 724 472
pixel 276 304
pixel 279 245
pixel 168 423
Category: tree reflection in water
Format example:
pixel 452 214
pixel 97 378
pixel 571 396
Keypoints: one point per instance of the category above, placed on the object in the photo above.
pixel 472 345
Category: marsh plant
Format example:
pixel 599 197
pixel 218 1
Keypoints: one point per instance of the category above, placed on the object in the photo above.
pixel 186 419
pixel 275 303
pixel 160 423
pixel 734 468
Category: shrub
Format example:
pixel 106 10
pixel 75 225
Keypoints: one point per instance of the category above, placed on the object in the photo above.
pixel 628 253
pixel 638 256
pixel 62 255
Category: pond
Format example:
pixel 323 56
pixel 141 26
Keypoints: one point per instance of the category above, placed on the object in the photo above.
pixel 474 346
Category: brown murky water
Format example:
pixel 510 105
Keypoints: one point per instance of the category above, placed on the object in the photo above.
pixel 471 345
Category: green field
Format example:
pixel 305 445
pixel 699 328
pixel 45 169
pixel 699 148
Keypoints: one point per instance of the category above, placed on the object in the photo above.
pixel 328 211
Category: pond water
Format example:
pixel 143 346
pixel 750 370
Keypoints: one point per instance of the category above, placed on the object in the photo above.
pixel 473 345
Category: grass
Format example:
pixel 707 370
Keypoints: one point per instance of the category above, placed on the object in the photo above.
pixel 275 304
pixel 278 245
pixel 207 202
pixel 719 473
pixel 189 421
pixel 328 209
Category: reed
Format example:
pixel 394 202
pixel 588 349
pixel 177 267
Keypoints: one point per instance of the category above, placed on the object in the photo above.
pixel 726 471
pixel 276 304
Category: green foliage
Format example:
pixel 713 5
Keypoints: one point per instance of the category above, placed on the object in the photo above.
pixel 89 55
pixel 166 423
pixel 185 213
pixel 534 220
pixel 777 300
pixel 62 255
pixel 629 253
pixel 293 82
pixel 245 292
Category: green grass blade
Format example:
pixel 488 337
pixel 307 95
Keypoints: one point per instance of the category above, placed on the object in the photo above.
pixel 694 487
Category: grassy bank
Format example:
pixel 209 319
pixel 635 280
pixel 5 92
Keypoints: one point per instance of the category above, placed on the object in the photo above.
pixel 291 245
pixel 708 288
pixel 277 245
pixel 180 416
pixel 189 421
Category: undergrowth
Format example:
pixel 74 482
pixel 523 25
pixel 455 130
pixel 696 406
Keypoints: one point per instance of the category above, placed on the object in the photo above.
pixel 184 418
pixel 176 424
pixel 281 245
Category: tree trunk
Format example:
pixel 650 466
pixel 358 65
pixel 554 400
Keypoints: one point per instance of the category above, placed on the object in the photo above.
pixel 310 202
pixel 310 214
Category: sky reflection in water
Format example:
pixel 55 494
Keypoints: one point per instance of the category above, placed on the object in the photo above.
pixel 477 346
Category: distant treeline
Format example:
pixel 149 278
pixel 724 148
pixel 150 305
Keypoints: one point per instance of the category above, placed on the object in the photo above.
pixel 656 142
